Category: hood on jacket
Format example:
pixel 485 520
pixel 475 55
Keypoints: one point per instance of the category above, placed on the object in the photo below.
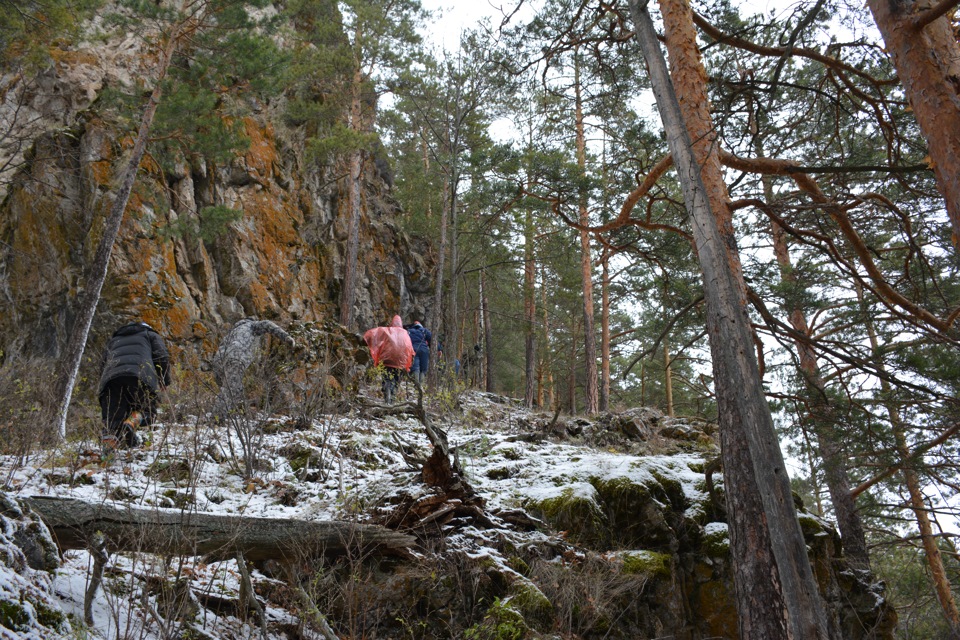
pixel 397 322
pixel 132 328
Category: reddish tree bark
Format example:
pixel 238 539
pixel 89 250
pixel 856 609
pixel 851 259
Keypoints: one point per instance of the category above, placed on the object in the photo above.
pixel 590 390
pixel 926 55
pixel 766 538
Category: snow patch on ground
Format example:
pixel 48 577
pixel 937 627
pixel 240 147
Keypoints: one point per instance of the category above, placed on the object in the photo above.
pixel 339 468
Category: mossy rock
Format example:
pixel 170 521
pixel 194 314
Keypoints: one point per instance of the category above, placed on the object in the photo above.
pixel 672 488
pixel 501 622
pixel 519 565
pixel 810 525
pixel 50 618
pixel 14 615
pixel 529 600
pixel 637 513
pixel 714 604
pixel 716 541
pixel 575 512
pixel 499 473
pixel 646 563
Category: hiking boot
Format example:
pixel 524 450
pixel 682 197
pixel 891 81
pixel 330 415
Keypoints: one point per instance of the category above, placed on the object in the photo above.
pixel 133 420
pixel 109 444
pixel 132 439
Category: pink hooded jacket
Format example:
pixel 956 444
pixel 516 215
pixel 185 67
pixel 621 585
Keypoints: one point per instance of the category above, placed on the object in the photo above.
pixel 390 345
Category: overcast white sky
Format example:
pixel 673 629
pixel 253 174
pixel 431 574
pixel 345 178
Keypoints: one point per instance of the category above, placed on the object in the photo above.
pixel 454 16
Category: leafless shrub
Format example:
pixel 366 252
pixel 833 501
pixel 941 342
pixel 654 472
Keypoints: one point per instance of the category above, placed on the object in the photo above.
pixel 588 596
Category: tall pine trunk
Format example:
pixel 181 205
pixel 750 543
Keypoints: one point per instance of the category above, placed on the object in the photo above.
pixel 351 261
pixel 437 311
pixel 452 310
pixel 546 393
pixel 591 393
pixel 605 333
pixel 529 310
pixel 667 368
pixel 767 541
pixel 487 332
pixel 823 418
pixel 822 414
pixel 926 55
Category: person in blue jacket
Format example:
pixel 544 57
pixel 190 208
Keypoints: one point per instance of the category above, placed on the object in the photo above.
pixel 420 339
pixel 135 368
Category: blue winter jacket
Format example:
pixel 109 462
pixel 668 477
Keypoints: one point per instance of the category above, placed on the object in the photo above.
pixel 419 337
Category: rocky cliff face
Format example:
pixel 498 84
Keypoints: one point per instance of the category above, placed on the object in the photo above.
pixel 283 259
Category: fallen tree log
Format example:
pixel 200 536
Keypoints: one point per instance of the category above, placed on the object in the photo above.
pixel 73 524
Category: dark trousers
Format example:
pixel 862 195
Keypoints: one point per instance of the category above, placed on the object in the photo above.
pixel 421 360
pixel 391 381
pixel 119 399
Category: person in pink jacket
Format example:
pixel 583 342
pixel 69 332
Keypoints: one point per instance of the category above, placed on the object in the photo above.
pixel 391 346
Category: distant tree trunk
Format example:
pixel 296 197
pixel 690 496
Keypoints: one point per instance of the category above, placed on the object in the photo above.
pixel 351 262
pixel 667 369
pixel 643 385
pixel 743 412
pixel 529 310
pixel 437 312
pixel 822 414
pixel 667 377
pixel 551 399
pixel 487 330
pixel 453 311
pixel 97 275
pixel 938 573
pixel 591 399
pixel 572 374
pixel 605 334
pixel 426 166
pixel 823 417
pixel 923 45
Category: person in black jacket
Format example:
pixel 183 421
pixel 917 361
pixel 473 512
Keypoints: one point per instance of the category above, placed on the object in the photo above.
pixel 136 366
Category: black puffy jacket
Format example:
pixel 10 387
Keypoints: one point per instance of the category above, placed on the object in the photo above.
pixel 136 351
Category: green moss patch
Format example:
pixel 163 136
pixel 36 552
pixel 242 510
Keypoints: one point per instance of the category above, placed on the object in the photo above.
pixel 646 563
pixel 529 599
pixel 502 622
pixel 14 615
pixel 577 514
pixel 716 541
pixel 810 525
